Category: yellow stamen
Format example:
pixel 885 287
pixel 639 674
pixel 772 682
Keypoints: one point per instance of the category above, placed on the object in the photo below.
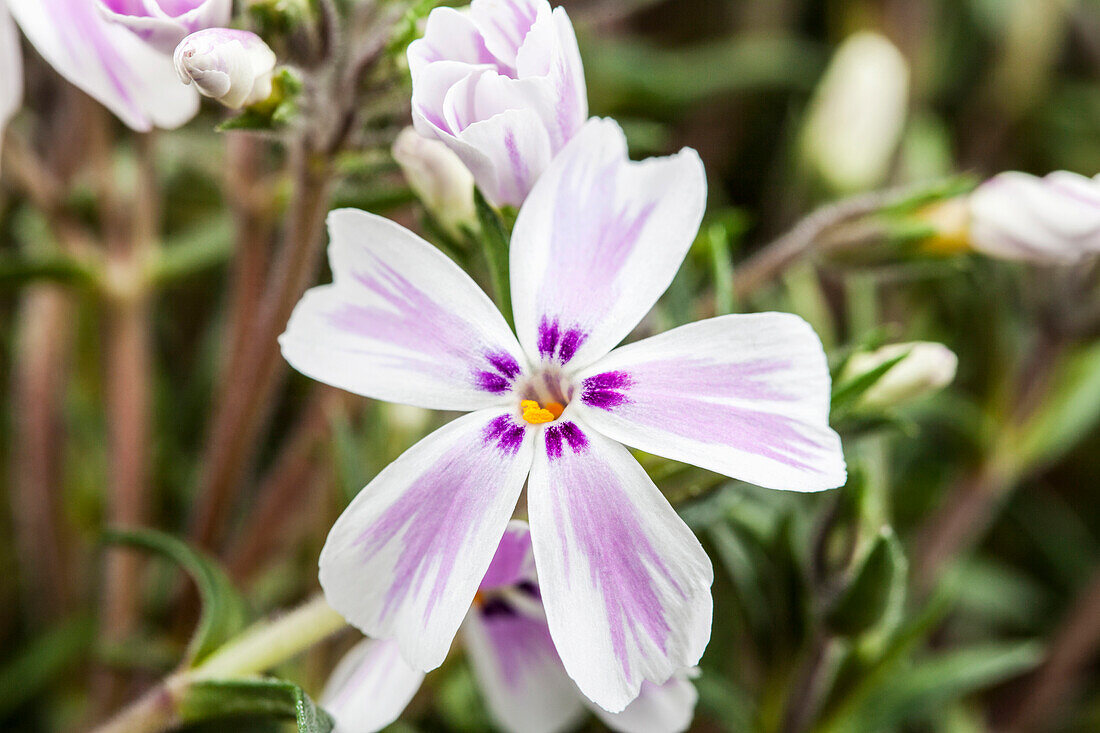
pixel 536 414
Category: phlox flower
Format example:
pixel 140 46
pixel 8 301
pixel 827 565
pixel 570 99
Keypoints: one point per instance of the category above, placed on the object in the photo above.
pixel 624 582
pixel 111 64
pixel 501 83
pixel 513 659
pixel 164 23
pixel 232 66
pixel 1052 220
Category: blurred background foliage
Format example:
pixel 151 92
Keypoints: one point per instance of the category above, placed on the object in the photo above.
pixel 952 585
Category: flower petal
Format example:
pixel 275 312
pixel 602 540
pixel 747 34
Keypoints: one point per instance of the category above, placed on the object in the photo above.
pixel 521 676
pixel 514 561
pixel 401 323
pixel 625 583
pixel 370 687
pixel 667 708
pixel 11 61
pixel 134 81
pixel 597 242
pixel 405 558
pixel 163 25
pixel 743 395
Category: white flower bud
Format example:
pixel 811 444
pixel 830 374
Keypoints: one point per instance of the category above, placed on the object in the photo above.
pixel 858 113
pixel 234 67
pixel 1049 220
pixel 926 368
pixel 439 178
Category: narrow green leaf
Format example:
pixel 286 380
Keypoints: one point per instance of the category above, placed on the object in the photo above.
pixel 1070 410
pixel 848 392
pixel 259 697
pixel 494 239
pixel 874 588
pixel 223 610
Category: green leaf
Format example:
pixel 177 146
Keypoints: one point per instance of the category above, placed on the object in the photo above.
pixel 936 681
pixel 1071 408
pixel 273 114
pixel 223 610
pixel 876 586
pixel 260 697
pixel 848 392
pixel 494 237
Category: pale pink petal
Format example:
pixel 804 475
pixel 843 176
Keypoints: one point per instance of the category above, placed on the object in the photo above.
pixel 370 687
pixel 11 64
pixel 514 562
pixel 597 242
pixel 519 672
pixel 505 24
pixel 743 395
pixel 667 708
pixel 625 584
pixel 449 35
pixel 405 559
pixel 107 61
pixel 165 23
pixel 401 323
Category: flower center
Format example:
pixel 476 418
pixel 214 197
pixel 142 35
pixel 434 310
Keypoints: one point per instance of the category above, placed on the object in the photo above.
pixel 536 414
pixel 543 396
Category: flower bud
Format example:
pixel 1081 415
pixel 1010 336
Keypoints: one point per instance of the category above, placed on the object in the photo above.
pixel 858 114
pixel 439 179
pixel 1050 220
pixel 500 83
pixel 925 368
pixel 164 23
pixel 234 67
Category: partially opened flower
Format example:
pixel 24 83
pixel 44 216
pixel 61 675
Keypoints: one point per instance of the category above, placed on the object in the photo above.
pixel 625 584
pixel 112 65
pixel 1054 219
pixel 501 83
pixel 164 23
pixel 231 66
pixel 514 660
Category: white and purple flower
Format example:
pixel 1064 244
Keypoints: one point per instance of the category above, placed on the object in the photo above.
pixel 164 23
pixel 625 583
pixel 112 65
pixel 513 658
pixel 1054 219
pixel 502 84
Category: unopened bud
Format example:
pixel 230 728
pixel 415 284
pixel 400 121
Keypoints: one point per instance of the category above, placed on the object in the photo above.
pixel 858 113
pixel 925 368
pixel 439 178
pixel 1049 220
pixel 234 67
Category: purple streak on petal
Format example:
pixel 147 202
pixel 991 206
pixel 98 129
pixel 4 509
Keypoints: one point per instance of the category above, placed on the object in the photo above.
pixel 554 342
pixel 548 337
pixel 701 378
pixel 606 390
pixel 435 516
pixel 623 564
pixel 438 342
pixel 520 643
pixel 490 382
pixel 506 433
pixel 504 363
pixel 513 563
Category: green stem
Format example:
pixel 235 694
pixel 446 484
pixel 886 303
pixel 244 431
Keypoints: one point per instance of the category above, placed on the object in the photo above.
pixel 494 240
pixel 259 648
